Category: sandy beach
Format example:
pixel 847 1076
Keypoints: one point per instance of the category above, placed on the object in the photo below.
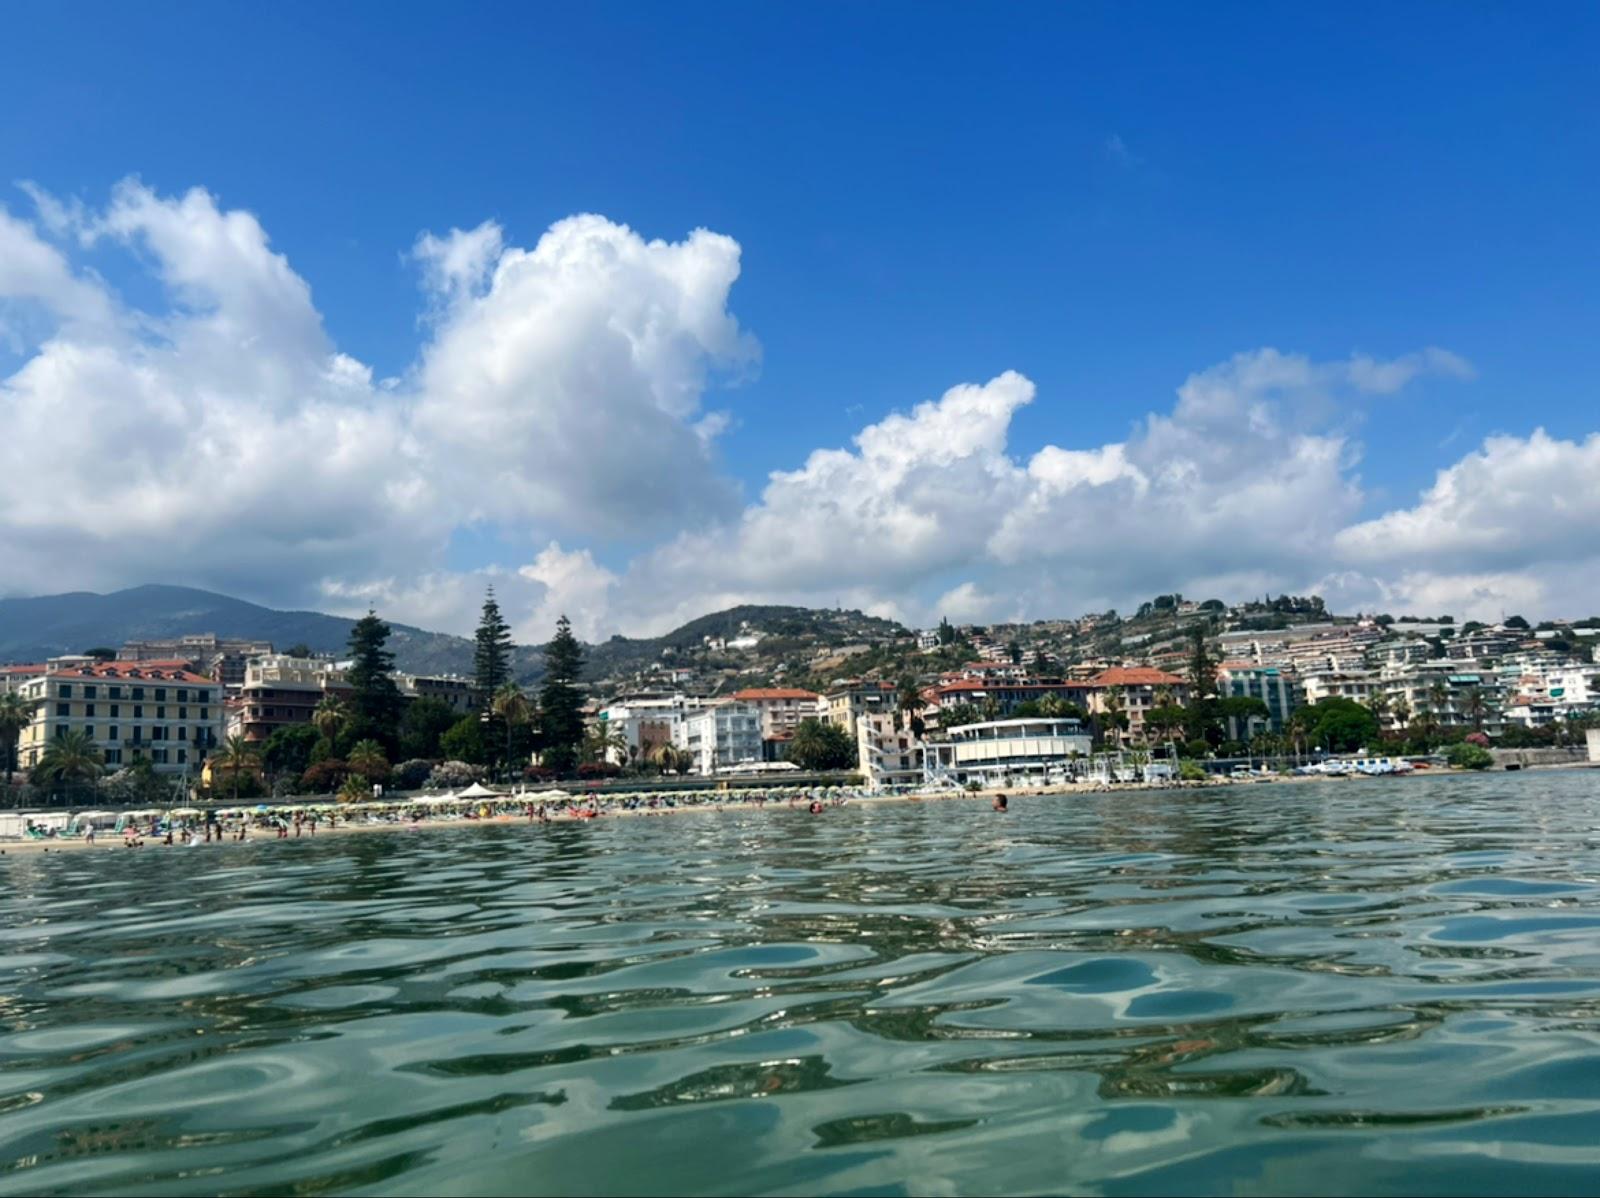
pixel 115 842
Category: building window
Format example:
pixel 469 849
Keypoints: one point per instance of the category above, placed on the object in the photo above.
pixel 138 711
pixel 64 691
pixel 61 730
pixel 138 692
pixel 88 711
pixel 183 712
pixel 111 732
pixel 203 715
pixel 161 712
pixel 88 692
pixel 183 733
pixel 159 756
pixel 183 755
pixel 183 695
pixel 115 710
pixel 113 756
pixel 136 734
pixel 115 692
pixel 63 710
pixel 161 694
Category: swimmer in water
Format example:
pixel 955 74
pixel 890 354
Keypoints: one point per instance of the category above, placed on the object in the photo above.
pixel 1000 803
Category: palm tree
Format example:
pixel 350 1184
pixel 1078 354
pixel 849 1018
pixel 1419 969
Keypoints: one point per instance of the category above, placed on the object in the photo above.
pixel 355 788
pixel 908 702
pixel 237 756
pixel 1378 703
pixel 1116 718
pixel 1402 714
pixel 367 758
pixel 15 715
pixel 1476 706
pixel 512 706
pixel 330 717
pixel 68 760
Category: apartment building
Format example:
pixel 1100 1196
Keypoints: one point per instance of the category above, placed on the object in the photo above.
pixel 279 691
pixel 158 711
pixel 1279 689
pixel 1359 685
pixel 853 698
pixel 222 659
pixel 888 755
pixel 1445 694
pixel 723 735
pixel 1139 689
pixel 782 708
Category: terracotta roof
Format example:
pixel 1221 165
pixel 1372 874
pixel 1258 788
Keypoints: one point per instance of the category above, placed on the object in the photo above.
pixel 776 692
pixel 25 671
pixel 1135 676
pixel 135 671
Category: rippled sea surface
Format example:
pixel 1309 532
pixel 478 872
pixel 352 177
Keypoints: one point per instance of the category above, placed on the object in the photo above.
pixel 1378 985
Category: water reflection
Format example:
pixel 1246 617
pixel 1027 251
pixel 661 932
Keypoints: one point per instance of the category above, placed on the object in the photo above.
pixel 1369 985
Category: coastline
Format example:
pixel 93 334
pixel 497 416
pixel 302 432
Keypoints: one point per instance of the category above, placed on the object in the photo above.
pixel 115 842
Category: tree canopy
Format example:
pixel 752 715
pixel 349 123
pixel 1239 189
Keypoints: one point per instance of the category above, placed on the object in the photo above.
pixel 375 701
pixel 560 700
pixel 822 746
pixel 491 651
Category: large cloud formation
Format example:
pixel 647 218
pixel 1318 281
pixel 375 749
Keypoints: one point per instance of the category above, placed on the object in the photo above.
pixel 558 398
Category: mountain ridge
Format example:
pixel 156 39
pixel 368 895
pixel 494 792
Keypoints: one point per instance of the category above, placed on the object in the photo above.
pixel 38 627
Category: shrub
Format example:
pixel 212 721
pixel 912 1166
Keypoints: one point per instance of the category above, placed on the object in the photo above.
pixel 598 769
pixel 410 775
pixel 448 775
pixel 1466 756
pixel 539 773
pixel 324 776
pixel 1190 772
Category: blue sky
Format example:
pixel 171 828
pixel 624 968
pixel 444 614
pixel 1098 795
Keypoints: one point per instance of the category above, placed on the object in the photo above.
pixel 1107 199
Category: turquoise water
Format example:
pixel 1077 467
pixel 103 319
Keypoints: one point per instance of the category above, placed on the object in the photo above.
pixel 1379 985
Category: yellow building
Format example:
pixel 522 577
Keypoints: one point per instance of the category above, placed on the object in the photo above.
pixel 151 710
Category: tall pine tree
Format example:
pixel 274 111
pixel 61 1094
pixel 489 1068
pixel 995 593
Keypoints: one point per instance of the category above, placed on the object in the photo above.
pixel 560 700
pixel 491 655
pixel 375 702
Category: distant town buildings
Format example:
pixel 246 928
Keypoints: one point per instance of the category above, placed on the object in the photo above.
pixel 157 711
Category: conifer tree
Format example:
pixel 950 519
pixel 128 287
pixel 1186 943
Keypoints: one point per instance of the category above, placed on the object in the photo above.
pixel 560 700
pixel 375 702
pixel 491 655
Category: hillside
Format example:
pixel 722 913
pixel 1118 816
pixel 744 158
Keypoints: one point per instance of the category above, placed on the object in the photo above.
pixel 50 625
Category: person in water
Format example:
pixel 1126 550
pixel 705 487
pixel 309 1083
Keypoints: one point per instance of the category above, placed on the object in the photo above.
pixel 1000 803
pixel 816 807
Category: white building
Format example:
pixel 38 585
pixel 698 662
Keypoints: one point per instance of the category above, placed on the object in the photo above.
pixel 782 708
pixel 1444 693
pixel 1008 752
pixel 888 755
pixel 648 720
pixel 1340 684
pixel 717 737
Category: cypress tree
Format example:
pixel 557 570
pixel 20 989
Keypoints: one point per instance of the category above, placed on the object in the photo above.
pixel 560 700
pixel 491 655
pixel 375 702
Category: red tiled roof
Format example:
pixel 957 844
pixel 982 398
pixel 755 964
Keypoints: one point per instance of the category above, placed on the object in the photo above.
pixel 25 671
pixel 136 671
pixel 1135 676
pixel 776 692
